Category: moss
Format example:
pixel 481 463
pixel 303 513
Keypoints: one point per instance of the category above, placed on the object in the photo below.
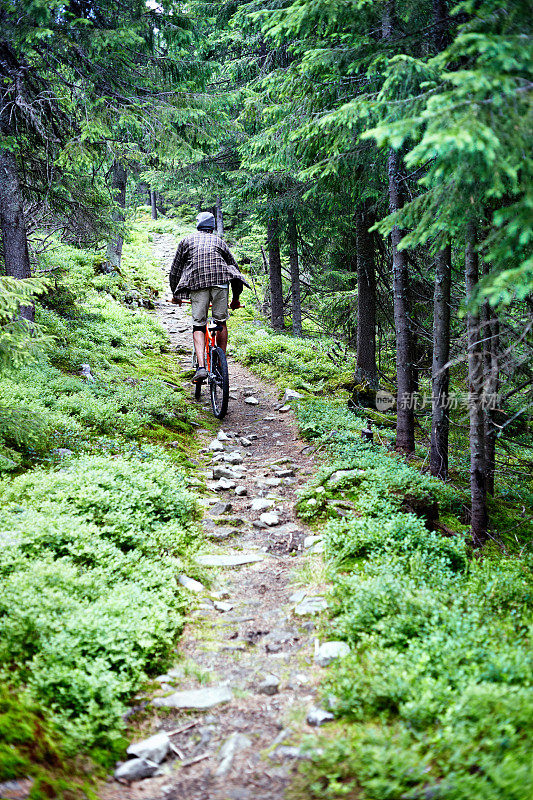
pixel 156 364
pixel 383 420
pixel 32 746
pixel 167 433
pixel 89 601
pixel 453 524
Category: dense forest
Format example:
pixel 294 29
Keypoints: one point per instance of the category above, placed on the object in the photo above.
pixel 370 164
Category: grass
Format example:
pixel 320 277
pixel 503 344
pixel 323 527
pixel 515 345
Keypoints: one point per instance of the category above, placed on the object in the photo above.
pixel 435 692
pixel 96 520
pixel 435 697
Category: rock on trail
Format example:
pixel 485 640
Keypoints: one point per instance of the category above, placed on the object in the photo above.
pixel 228 559
pixel 156 748
pixel 196 698
pixel 328 652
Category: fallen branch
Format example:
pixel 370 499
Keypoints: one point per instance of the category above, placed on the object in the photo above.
pixel 196 760
pixel 177 751
pixel 183 729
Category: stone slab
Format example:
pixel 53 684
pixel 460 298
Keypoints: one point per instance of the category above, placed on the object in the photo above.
pixel 223 560
pixel 330 651
pixel 155 748
pixel 196 698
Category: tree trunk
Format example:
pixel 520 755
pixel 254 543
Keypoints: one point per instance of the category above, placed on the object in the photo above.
pixel 478 489
pixel 366 369
pixel 405 422
pixel 491 381
pixel 387 21
pixel 266 297
pixel 441 24
pixel 13 225
pixel 219 216
pixel 118 187
pixel 415 352
pixel 440 374
pixel 160 203
pixel 274 266
pixel 295 275
pixel 153 203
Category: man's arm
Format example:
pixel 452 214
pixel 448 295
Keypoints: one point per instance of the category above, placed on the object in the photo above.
pixel 227 255
pixel 236 291
pixel 236 283
pixel 177 267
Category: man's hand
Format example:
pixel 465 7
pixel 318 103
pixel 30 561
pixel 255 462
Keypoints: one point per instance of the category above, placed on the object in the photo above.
pixel 176 301
pixel 235 303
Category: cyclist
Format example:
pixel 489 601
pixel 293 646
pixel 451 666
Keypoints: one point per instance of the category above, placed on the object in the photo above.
pixel 203 269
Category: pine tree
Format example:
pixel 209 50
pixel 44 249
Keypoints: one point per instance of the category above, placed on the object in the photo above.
pixel 77 77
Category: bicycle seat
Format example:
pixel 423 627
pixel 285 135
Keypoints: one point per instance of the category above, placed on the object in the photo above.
pixel 213 326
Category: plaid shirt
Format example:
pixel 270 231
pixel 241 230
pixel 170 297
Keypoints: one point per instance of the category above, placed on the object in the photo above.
pixel 202 260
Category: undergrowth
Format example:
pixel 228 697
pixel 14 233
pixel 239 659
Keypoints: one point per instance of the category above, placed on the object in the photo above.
pixel 89 558
pixel 46 404
pixel 310 365
pixel 435 697
pixel 96 521
pixel 321 366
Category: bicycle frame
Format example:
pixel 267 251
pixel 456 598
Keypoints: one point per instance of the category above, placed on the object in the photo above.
pixel 210 342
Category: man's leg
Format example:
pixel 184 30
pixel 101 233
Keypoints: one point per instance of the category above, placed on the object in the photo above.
pixel 219 300
pixel 222 336
pixel 199 346
pixel 199 308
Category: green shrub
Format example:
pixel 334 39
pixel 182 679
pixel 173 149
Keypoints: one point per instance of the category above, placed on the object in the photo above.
pixel 463 758
pixel 298 363
pixel 402 535
pixel 437 687
pixel 89 598
pixel 118 495
pixel 186 213
pixel 435 696
pixel 77 273
pixel 90 549
pixel 44 408
pixel 106 333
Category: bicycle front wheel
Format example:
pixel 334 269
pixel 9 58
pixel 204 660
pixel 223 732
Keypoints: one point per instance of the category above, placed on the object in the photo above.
pixel 219 380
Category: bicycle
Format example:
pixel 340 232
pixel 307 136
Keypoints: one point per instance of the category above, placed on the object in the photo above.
pixel 217 372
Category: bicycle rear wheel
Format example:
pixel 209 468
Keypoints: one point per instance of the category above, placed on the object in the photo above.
pixel 219 383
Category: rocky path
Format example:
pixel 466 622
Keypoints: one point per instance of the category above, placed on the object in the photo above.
pixel 231 715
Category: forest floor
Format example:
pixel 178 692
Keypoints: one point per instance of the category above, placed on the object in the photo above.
pixel 252 630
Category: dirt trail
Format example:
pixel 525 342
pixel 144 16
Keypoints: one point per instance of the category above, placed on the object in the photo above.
pixel 244 633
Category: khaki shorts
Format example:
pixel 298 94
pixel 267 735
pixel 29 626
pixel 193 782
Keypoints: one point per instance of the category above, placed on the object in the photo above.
pixel 200 299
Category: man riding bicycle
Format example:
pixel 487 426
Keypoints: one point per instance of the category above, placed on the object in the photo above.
pixel 203 269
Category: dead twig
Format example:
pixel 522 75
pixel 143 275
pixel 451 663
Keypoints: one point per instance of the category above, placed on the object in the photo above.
pixel 177 751
pixel 196 760
pixel 183 729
